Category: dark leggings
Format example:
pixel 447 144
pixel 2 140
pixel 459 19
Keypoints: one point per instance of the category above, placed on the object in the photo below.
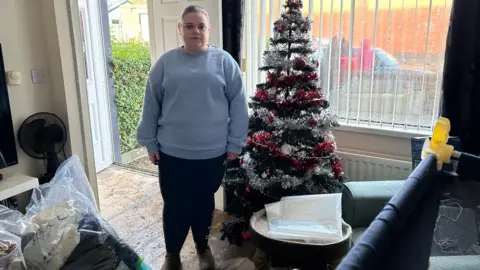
pixel 188 189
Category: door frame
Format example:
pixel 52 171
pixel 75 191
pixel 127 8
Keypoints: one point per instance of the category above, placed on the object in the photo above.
pixel 110 82
pixel 102 119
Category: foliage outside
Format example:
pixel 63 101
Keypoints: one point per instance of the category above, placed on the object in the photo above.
pixel 131 64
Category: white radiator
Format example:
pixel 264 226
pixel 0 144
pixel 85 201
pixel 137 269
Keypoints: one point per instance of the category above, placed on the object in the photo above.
pixel 370 168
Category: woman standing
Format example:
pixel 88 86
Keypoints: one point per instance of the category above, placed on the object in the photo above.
pixel 195 116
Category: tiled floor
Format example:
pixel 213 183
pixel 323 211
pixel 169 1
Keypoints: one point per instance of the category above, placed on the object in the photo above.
pixel 143 164
pixel 131 202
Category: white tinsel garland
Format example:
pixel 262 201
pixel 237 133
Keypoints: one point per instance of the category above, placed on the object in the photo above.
pixel 276 60
pixel 326 121
pixel 273 59
pixel 233 181
pixel 287 181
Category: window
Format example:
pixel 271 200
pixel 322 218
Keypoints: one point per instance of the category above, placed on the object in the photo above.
pixel 386 56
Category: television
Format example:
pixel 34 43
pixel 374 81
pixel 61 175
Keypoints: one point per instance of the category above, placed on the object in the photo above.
pixel 8 147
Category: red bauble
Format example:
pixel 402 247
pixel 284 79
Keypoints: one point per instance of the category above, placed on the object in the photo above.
pixel 313 122
pixel 246 235
pixel 300 63
pixel 255 114
pixel 282 27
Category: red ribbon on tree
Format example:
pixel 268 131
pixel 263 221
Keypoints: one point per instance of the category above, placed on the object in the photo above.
pixel 324 148
pixel 290 80
pixel 337 168
pixel 261 94
pixel 262 141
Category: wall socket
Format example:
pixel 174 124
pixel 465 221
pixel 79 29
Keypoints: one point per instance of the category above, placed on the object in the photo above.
pixel 38 76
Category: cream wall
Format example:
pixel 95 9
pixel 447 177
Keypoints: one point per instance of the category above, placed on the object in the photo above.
pixel 37 34
pixel 389 145
pixel 24 48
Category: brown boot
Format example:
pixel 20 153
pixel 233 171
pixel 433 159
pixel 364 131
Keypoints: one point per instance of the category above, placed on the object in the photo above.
pixel 172 262
pixel 205 258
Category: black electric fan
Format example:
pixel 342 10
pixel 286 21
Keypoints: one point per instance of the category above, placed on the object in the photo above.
pixel 43 136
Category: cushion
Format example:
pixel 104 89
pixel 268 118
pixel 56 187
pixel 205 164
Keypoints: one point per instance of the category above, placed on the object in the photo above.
pixel 357 233
pixel 362 201
pixel 455 262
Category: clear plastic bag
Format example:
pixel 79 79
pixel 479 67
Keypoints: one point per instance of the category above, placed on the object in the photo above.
pixel 69 183
pixel 69 232
pixel 14 222
pixel 11 257
pixel 309 218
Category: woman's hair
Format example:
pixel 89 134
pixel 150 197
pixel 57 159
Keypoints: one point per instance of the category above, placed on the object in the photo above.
pixel 195 9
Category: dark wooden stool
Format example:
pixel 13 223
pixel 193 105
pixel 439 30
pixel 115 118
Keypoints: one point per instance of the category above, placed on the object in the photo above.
pixel 294 254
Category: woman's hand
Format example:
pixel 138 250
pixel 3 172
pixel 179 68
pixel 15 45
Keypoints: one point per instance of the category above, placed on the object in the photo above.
pixel 232 156
pixel 154 157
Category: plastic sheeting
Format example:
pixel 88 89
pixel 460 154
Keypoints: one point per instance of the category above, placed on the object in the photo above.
pixel 309 218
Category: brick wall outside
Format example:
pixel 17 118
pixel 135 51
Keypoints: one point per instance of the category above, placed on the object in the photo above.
pixel 399 34
pixel 402 33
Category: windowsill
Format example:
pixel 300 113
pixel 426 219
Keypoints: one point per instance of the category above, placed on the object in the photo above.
pixel 407 134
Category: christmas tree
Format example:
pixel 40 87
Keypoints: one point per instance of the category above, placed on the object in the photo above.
pixel 290 148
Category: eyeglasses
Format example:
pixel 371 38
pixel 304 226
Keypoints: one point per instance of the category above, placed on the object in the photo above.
pixel 189 26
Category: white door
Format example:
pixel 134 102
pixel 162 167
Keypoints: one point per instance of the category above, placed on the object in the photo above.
pixel 164 16
pixel 99 107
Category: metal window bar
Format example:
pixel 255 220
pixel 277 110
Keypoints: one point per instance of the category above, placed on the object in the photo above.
pixel 349 75
pixel 280 8
pixel 263 34
pixel 386 42
pixel 436 103
pixel 271 17
pixel 411 89
pixel 405 112
pixel 254 41
pixel 340 43
pixel 310 13
pixel 361 63
pixel 320 35
pixel 420 115
pixel 395 96
pixel 330 50
pixel 250 46
pixel 375 25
